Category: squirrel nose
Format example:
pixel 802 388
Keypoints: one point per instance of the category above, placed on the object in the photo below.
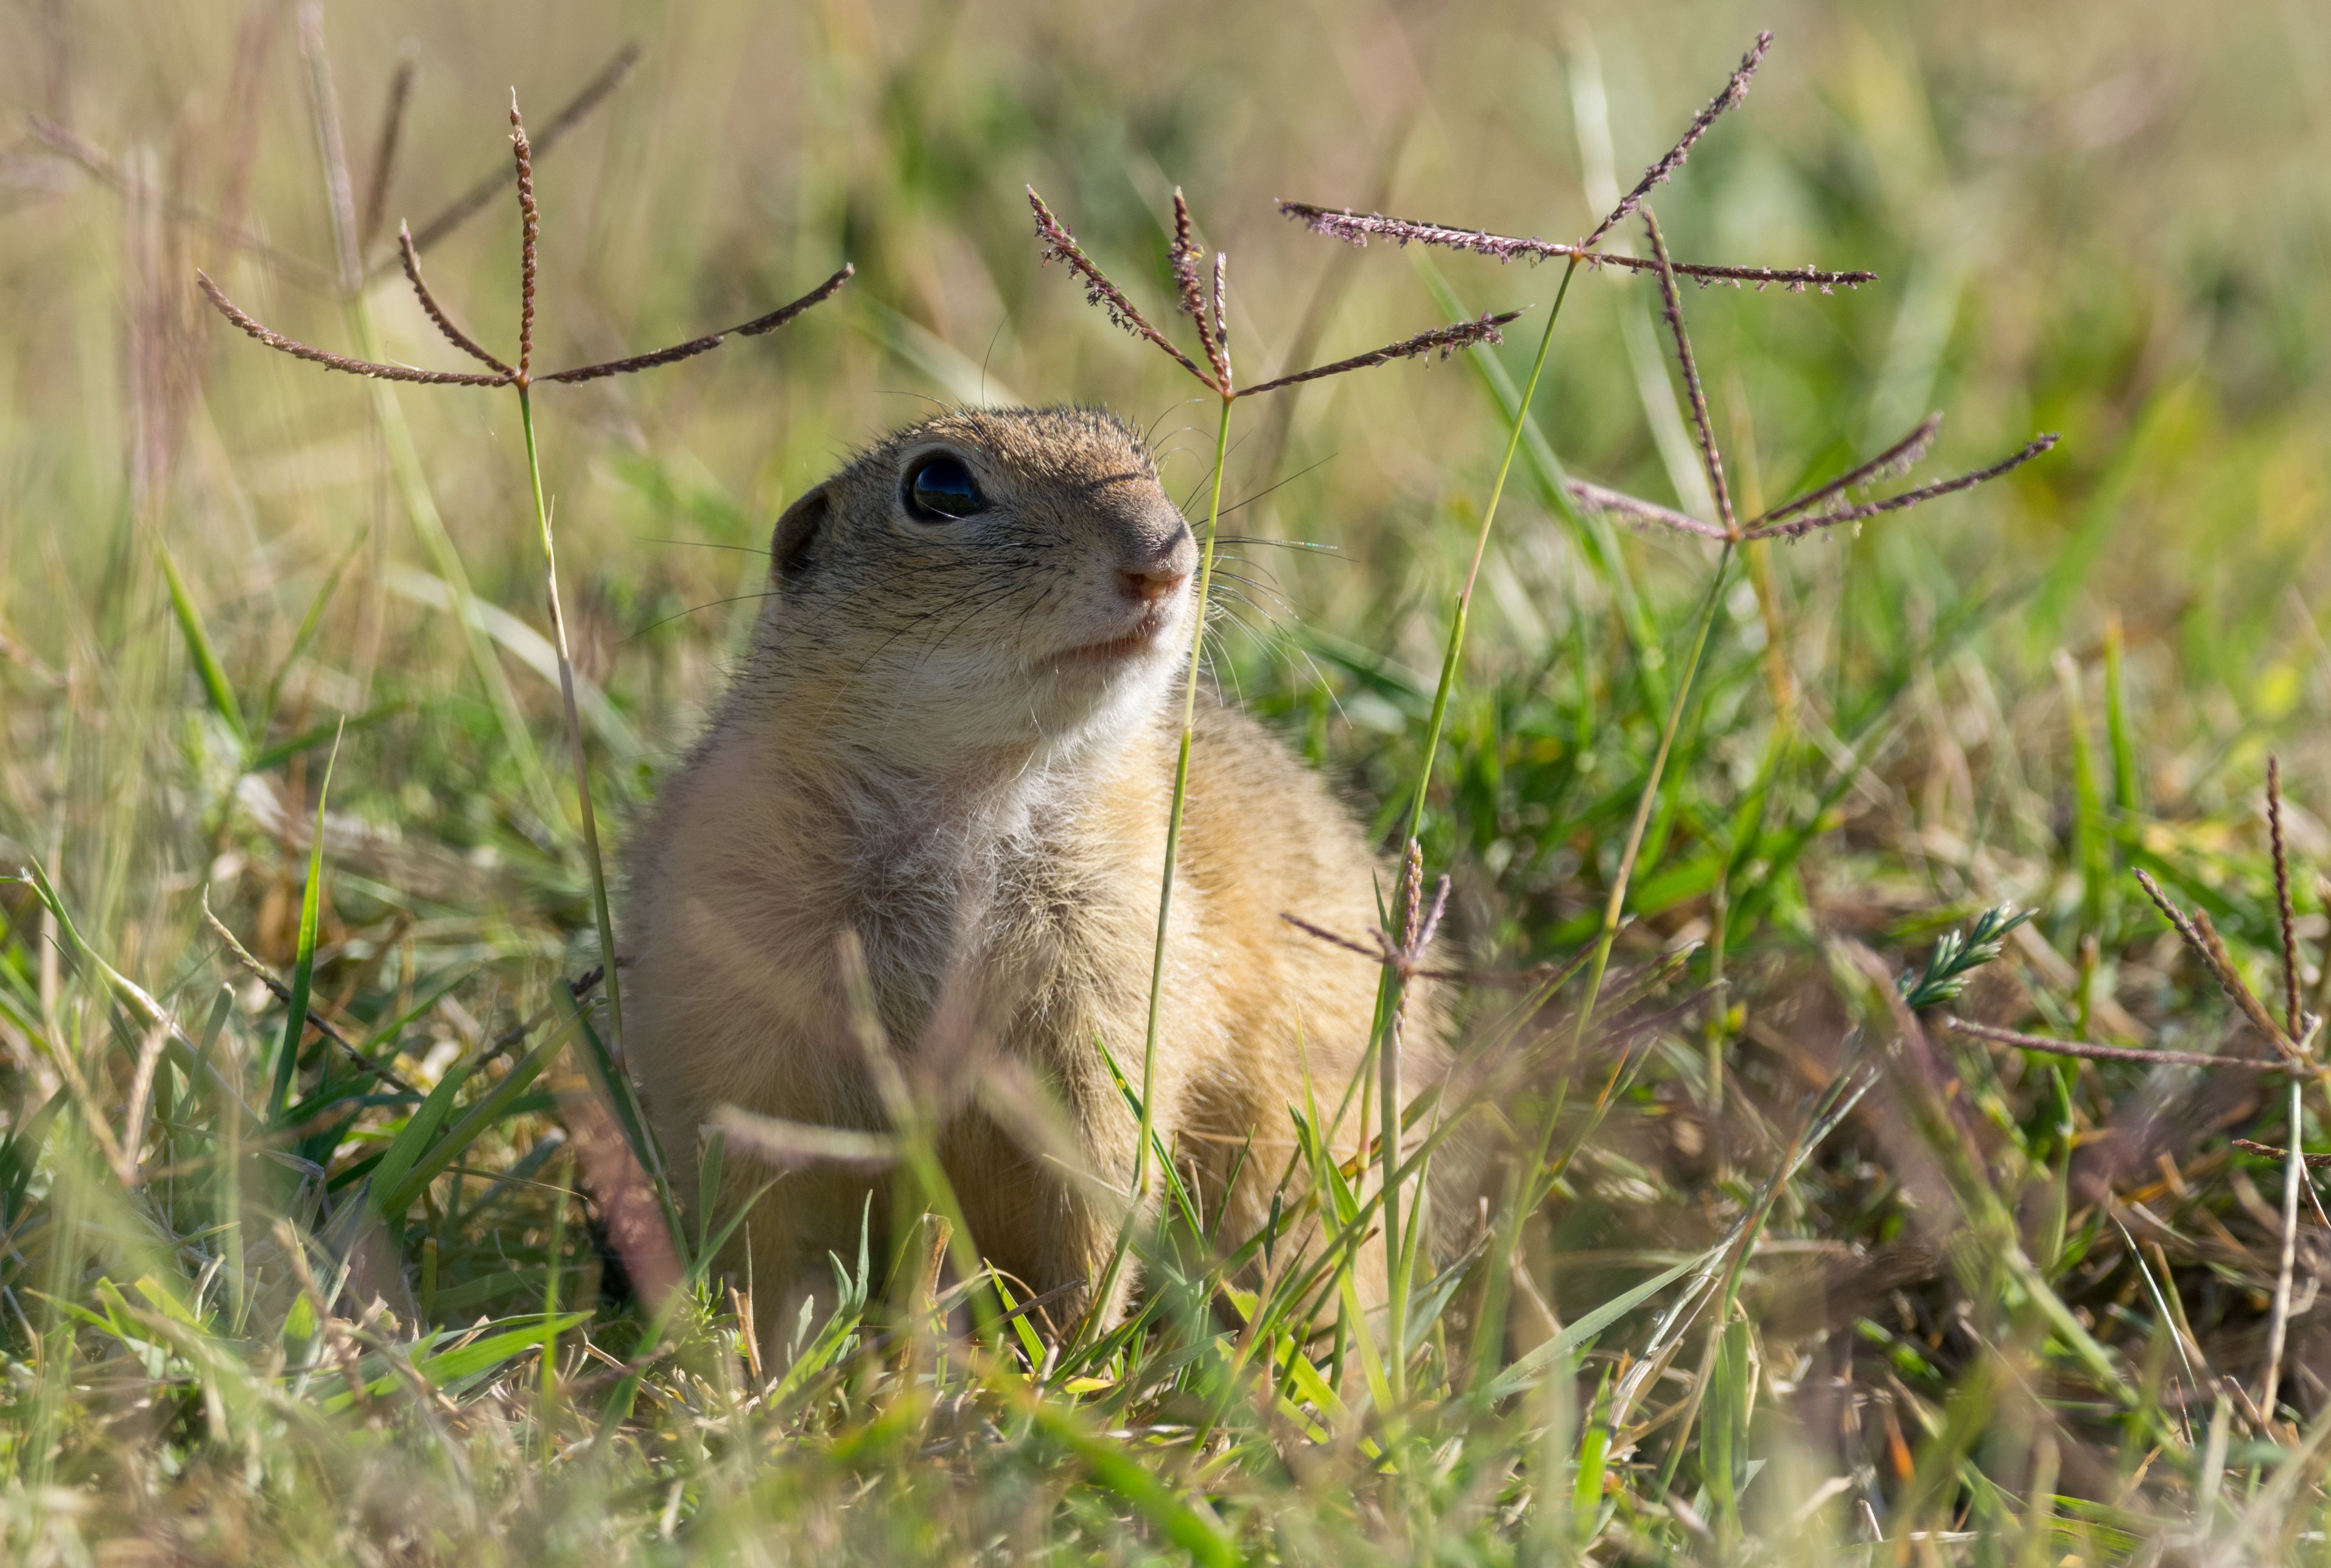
pixel 1152 583
pixel 1159 567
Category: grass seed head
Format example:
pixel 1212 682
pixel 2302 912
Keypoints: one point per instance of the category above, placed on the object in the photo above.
pixel 1357 228
pixel 1485 329
pixel 1734 88
pixel 504 373
pixel 453 335
pixel 1060 246
pixel 1702 426
pixel 529 227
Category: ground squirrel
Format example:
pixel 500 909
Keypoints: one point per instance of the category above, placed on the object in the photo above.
pixel 953 739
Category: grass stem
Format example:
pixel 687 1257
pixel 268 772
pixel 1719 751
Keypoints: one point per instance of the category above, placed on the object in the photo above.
pixel 1174 812
pixel 1399 1263
pixel 1139 1190
pixel 573 731
pixel 1616 903
pixel 1454 657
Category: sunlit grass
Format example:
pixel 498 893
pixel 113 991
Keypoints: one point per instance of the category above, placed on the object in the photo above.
pixel 1776 1262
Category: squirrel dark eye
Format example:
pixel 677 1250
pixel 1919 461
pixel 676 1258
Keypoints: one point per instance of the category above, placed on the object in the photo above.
pixel 940 488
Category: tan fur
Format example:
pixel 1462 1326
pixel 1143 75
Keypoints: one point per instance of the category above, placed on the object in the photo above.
pixel 905 757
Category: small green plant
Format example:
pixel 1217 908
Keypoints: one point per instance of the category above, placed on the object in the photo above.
pixel 1957 954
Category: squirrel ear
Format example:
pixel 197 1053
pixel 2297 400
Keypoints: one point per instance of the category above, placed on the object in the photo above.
pixel 797 533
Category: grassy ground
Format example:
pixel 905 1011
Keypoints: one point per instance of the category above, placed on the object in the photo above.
pixel 1806 1274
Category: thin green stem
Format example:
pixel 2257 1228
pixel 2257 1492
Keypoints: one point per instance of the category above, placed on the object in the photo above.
pixel 1618 899
pixel 573 731
pixel 421 507
pixel 1454 657
pixel 1400 1263
pixel 1139 1191
pixel 1540 1181
pixel 1173 814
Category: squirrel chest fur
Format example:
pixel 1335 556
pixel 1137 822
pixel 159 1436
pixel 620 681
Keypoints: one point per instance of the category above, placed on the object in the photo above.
pixel 937 792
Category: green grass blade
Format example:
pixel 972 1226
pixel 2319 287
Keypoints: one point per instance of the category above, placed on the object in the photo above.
pixel 1180 1521
pixel 465 1363
pixel 199 647
pixel 404 1150
pixel 2118 733
pixel 490 1108
pixel 2091 850
pixel 303 969
pixel 1525 1372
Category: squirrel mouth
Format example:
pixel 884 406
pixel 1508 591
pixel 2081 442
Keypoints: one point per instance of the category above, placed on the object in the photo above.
pixel 1115 648
pixel 1145 637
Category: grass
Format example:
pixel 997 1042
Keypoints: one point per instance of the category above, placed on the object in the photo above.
pixel 355 1250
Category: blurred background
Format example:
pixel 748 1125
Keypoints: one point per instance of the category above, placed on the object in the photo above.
pixel 2108 220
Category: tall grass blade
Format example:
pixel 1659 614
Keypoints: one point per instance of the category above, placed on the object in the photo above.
pixel 303 966
pixel 216 684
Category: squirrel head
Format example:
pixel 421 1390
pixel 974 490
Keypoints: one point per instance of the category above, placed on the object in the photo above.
pixel 994 579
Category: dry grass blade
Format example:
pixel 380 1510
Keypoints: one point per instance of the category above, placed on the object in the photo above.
pixel 1484 329
pixel 695 346
pixel 1803 526
pixel 1183 256
pixel 775 1141
pixel 1896 460
pixel 254 42
pixel 467 205
pixel 1381 952
pixel 282 993
pixel 1734 88
pixel 522 149
pixel 2294 1170
pixel 1060 246
pixel 125 1168
pixel 784 313
pixel 1996 1035
pixel 649 361
pixel 2252 1146
pixel 2185 927
pixel 1430 925
pixel 1357 228
pixel 1702 427
pixel 453 335
pixel 2222 964
pixel 2203 938
pixel 141 1092
pixel 335 1331
pixel 331 361
pixel 384 152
